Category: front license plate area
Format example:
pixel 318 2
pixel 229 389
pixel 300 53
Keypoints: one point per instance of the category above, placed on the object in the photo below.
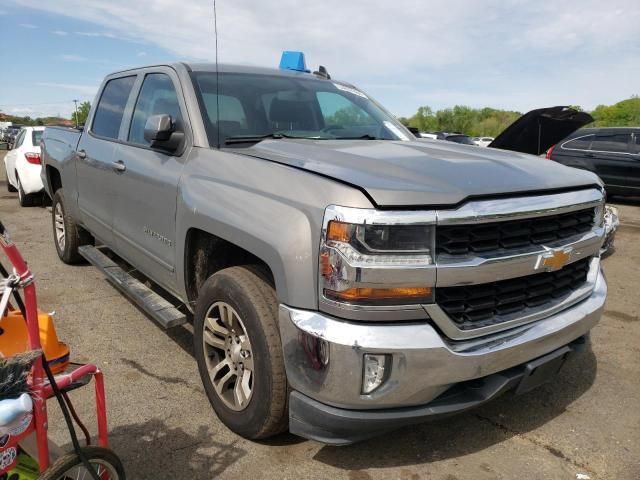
pixel 542 370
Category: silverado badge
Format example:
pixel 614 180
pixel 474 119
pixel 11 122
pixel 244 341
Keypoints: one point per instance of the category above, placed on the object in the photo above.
pixel 554 258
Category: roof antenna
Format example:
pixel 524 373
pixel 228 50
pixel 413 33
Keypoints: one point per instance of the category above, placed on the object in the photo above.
pixel 215 29
pixel 322 72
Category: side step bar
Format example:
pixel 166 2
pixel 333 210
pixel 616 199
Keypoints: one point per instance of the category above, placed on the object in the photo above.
pixel 162 311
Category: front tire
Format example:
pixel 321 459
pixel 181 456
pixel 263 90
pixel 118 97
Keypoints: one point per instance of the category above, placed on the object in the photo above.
pixel 67 234
pixel 239 353
pixel 106 463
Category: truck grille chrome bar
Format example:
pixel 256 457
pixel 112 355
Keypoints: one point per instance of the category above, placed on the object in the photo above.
pixel 475 306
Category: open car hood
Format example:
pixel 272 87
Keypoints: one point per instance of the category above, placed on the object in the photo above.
pixel 536 131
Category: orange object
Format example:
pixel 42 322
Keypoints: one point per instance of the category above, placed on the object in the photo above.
pixel 359 294
pixel 339 231
pixel 13 339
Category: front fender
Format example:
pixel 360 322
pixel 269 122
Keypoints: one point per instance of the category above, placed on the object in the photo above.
pixel 271 210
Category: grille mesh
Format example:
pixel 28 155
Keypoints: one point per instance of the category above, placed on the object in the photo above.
pixel 476 306
pixel 510 234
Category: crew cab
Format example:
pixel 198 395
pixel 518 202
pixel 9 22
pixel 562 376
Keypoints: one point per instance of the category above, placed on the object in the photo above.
pixel 344 277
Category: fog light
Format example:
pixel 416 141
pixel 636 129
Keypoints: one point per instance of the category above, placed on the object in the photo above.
pixel 375 372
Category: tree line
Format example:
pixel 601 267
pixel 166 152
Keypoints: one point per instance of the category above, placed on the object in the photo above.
pixel 490 122
pixel 83 112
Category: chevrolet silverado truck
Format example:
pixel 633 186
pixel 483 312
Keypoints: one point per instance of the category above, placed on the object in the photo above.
pixel 343 277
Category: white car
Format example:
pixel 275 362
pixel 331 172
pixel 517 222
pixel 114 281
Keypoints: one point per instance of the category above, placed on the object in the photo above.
pixel 23 166
pixel 482 141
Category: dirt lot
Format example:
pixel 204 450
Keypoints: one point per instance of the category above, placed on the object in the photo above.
pixel 587 421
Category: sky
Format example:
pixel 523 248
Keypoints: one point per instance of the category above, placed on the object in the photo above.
pixel 510 54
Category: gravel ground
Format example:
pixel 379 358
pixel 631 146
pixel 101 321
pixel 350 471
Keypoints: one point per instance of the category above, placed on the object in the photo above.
pixel 586 422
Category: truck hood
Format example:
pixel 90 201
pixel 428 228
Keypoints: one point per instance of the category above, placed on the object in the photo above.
pixel 536 131
pixel 422 172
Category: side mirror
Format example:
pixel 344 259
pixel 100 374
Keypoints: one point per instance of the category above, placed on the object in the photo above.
pixel 160 132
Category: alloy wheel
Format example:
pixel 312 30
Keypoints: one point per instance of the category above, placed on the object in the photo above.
pixel 59 227
pixel 228 355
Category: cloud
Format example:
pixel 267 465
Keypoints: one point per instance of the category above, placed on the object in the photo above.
pixel 78 90
pixel 28 25
pixel 96 34
pixel 142 54
pixel 67 57
pixel 403 52
pixel 4 12
pixel 62 33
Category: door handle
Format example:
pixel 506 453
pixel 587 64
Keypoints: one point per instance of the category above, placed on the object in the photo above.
pixel 81 154
pixel 119 166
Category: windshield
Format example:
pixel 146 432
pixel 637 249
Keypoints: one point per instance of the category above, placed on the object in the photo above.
pixel 259 105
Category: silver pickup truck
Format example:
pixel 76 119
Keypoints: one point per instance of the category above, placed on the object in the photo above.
pixel 343 277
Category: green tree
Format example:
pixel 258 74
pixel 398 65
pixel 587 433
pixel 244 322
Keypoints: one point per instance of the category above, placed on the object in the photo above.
pixel 622 114
pixel 83 113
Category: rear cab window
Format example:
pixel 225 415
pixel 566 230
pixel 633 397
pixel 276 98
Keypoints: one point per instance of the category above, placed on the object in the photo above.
pixel 110 110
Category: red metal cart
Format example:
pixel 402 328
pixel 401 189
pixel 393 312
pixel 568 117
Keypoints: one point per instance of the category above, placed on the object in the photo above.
pixel 51 375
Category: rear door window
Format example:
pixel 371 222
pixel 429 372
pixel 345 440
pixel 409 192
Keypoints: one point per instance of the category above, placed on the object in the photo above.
pixel 158 96
pixel 579 143
pixel 614 143
pixel 110 110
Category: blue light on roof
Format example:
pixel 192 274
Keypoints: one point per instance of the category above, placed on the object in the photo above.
pixel 293 61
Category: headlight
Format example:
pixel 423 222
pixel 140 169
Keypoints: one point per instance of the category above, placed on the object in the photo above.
pixel 374 258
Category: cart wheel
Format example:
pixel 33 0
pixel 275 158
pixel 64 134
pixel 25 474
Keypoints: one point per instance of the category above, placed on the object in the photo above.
pixel 67 234
pixel 106 463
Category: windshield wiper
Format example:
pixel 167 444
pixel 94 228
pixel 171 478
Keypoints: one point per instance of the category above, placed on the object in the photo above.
pixel 363 137
pixel 253 138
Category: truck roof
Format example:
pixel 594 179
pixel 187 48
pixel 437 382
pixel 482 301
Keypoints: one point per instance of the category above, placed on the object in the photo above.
pixel 226 68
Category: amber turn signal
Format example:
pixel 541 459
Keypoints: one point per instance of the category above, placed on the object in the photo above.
pixel 339 231
pixel 377 294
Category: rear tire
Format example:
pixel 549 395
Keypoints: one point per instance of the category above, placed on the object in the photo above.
pixel 25 200
pixel 67 234
pixel 10 187
pixel 107 464
pixel 239 298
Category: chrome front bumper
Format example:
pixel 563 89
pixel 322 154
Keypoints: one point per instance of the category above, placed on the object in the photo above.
pixel 324 355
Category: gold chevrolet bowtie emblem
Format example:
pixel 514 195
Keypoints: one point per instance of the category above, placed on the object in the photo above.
pixel 554 259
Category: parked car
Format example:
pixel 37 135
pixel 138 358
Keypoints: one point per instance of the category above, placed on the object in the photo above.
pixel 483 141
pixel 432 136
pixel 22 166
pixel 345 278
pixel 455 137
pixel 612 153
pixel 11 133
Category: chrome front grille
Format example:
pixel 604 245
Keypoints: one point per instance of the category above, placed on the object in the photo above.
pixel 475 306
pixel 512 234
